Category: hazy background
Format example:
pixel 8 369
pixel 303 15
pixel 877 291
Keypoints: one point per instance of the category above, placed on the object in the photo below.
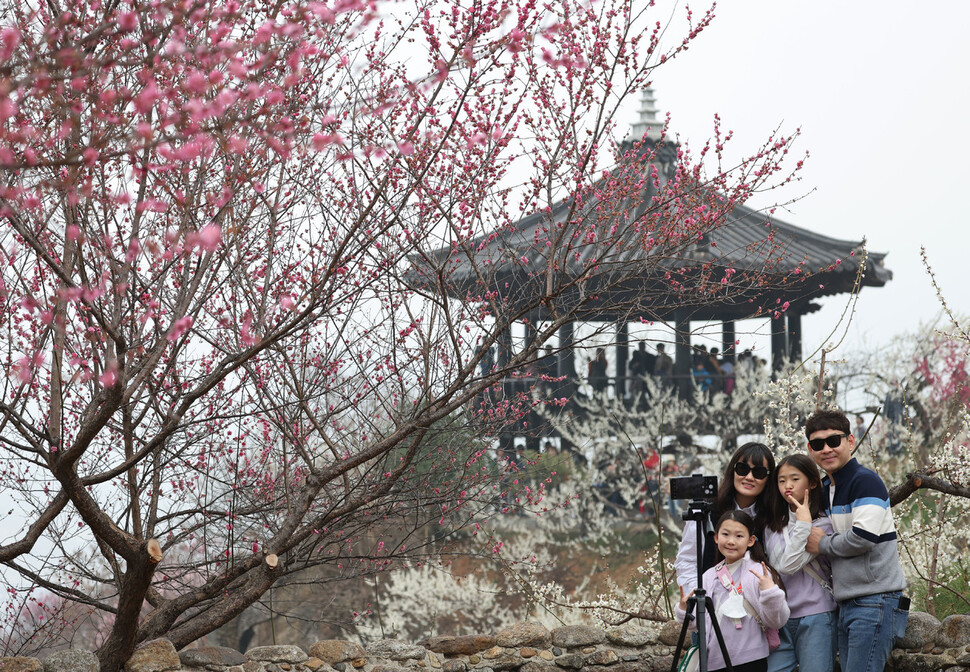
pixel 880 92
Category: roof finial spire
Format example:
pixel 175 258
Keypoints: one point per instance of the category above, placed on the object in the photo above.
pixel 648 125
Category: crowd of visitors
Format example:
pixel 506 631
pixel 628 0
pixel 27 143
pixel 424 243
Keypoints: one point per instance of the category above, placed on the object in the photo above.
pixel 710 370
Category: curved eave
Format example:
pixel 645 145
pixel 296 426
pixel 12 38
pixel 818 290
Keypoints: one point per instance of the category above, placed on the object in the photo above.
pixel 800 265
pixel 750 238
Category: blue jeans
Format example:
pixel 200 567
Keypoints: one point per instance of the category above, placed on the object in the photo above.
pixel 868 625
pixel 808 643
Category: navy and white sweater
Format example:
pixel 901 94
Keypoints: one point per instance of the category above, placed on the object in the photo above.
pixel 862 546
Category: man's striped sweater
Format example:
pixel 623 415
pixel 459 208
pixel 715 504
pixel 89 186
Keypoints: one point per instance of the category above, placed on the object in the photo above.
pixel 863 546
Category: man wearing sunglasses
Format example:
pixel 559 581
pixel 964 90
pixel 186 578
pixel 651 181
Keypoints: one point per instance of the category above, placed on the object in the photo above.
pixel 867 579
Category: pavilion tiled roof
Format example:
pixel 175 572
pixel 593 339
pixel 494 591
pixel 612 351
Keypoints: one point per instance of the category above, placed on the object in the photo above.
pixel 747 240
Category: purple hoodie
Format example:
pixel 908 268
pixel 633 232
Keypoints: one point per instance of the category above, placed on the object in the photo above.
pixel 787 554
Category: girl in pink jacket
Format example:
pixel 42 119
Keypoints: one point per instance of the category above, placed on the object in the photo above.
pixel 747 593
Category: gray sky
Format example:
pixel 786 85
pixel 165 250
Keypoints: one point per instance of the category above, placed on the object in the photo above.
pixel 881 95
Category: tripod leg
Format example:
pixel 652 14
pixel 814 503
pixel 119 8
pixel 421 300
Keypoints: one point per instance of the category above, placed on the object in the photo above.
pixel 717 634
pixel 691 606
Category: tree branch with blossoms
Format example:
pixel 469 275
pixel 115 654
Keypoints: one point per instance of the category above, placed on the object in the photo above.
pixel 235 344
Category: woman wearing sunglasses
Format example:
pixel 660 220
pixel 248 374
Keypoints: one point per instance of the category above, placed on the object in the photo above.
pixel 743 486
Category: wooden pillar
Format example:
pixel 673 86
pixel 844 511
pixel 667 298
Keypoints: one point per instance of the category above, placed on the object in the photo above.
pixel 566 367
pixel 779 341
pixel 795 335
pixel 506 437
pixel 531 385
pixel 530 336
pixel 567 358
pixel 728 337
pixel 505 347
pixel 622 356
pixel 682 364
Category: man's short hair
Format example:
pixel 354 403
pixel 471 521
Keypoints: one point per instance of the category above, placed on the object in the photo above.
pixel 830 419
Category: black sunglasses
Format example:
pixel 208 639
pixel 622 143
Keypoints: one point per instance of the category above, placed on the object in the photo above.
pixel 742 469
pixel 832 441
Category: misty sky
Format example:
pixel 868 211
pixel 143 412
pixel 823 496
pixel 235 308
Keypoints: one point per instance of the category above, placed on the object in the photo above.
pixel 880 93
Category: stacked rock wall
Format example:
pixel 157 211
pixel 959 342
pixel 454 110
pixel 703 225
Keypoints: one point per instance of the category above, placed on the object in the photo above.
pixel 525 647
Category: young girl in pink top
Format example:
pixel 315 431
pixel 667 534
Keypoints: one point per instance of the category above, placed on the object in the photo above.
pixel 808 640
pixel 747 597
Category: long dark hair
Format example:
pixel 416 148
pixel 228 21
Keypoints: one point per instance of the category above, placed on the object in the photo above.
pixel 816 499
pixel 757 550
pixel 755 453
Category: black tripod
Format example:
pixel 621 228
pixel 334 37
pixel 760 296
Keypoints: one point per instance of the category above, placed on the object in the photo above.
pixel 699 511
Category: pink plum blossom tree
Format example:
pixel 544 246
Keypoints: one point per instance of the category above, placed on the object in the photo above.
pixel 229 347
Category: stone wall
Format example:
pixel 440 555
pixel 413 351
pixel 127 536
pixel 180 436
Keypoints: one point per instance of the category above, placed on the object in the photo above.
pixel 525 647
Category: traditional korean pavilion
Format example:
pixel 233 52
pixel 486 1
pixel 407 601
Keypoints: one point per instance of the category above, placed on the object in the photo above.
pixel 748 240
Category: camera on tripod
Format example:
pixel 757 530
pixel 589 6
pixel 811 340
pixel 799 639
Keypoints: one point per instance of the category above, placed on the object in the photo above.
pixel 702 492
pixel 697 486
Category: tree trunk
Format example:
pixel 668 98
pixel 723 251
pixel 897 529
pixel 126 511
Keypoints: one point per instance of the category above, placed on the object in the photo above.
pixel 120 644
